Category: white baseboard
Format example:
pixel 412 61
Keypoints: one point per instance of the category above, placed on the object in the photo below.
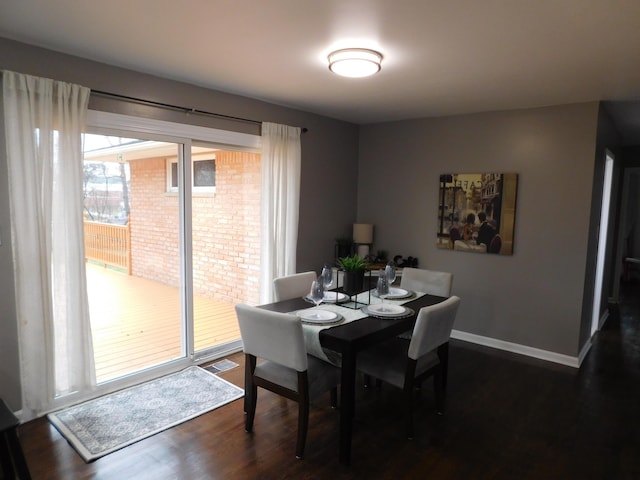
pixel 584 351
pixel 522 349
pixel 603 318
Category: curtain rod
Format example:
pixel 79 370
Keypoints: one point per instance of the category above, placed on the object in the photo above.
pixel 180 109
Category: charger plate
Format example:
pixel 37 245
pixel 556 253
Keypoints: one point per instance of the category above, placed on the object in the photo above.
pixel 331 297
pixel 387 310
pixel 318 317
pixel 395 293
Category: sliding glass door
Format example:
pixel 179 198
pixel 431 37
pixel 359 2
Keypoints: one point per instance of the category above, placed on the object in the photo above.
pixel 132 250
pixel 225 242
pixel 172 243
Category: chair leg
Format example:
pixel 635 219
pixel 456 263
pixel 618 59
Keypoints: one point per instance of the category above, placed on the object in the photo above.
pixel 367 381
pixel 252 399
pixel 303 413
pixel 303 424
pixel 439 385
pixel 443 355
pixel 250 392
pixel 249 367
pixel 408 398
pixel 409 384
pixel 334 397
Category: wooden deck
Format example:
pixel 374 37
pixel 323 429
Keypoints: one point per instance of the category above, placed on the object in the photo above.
pixel 136 322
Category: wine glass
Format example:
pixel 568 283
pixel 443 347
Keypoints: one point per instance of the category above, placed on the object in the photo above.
pixel 317 291
pixel 327 279
pixel 327 276
pixel 382 288
pixel 390 272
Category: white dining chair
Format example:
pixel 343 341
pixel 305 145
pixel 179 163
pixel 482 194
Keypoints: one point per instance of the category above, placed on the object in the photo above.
pixel 406 364
pixel 431 282
pixel 427 281
pixel 293 286
pixel 285 368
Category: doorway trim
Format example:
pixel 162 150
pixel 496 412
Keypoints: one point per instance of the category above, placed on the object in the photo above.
pixel 597 320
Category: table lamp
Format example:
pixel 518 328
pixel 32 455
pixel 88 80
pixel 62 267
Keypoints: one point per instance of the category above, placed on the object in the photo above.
pixel 363 238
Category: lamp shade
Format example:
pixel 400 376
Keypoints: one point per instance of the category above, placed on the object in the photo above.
pixel 362 233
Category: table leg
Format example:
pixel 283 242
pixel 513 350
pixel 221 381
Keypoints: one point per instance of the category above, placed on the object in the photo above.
pixel 347 400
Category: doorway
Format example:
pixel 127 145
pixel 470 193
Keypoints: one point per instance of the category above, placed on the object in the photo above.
pixel 628 235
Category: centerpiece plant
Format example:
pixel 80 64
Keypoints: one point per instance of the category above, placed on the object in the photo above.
pixel 354 268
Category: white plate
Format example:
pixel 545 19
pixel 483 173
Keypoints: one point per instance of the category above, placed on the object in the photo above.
pixel 395 293
pixel 386 310
pixel 330 297
pixel 318 317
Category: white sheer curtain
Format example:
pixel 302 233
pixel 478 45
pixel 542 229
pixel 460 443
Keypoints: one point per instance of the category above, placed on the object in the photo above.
pixel 43 124
pixel 281 159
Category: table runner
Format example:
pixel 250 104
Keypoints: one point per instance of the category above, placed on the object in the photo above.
pixel 312 332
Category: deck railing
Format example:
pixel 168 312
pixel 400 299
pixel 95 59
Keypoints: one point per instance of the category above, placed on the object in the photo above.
pixel 108 244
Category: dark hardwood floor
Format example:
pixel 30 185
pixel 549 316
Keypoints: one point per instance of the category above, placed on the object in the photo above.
pixel 508 417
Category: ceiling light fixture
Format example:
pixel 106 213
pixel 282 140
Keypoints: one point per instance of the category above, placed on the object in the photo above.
pixel 355 62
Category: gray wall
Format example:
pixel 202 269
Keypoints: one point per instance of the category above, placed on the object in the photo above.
pixel 329 162
pixel 533 298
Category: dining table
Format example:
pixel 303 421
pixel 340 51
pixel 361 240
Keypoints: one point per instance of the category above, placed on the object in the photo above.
pixel 341 343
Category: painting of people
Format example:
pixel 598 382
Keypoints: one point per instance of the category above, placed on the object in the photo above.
pixel 477 212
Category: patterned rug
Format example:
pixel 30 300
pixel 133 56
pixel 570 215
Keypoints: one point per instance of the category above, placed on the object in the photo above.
pixel 109 423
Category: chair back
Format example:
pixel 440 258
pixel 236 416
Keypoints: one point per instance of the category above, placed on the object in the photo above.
pixel 293 286
pixel 433 327
pixel 427 281
pixel 273 336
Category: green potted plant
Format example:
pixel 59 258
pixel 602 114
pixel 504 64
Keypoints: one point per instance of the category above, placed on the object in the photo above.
pixel 354 268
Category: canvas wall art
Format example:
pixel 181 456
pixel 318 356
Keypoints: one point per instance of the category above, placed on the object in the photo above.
pixel 477 212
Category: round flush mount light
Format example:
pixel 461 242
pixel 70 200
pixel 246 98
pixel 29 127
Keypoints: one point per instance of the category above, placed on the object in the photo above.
pixel 355 62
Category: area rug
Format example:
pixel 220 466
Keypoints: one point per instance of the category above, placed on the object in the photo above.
pixel 109 423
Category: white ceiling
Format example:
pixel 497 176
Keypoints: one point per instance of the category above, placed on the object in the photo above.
pixel 440 57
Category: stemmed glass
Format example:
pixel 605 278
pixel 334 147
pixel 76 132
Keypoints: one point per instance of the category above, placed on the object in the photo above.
pixel 382 288
pixel 327 276
pixel 390 272
pixel 317 291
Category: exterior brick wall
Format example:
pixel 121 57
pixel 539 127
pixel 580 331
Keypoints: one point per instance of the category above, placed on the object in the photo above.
pixel 225 229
